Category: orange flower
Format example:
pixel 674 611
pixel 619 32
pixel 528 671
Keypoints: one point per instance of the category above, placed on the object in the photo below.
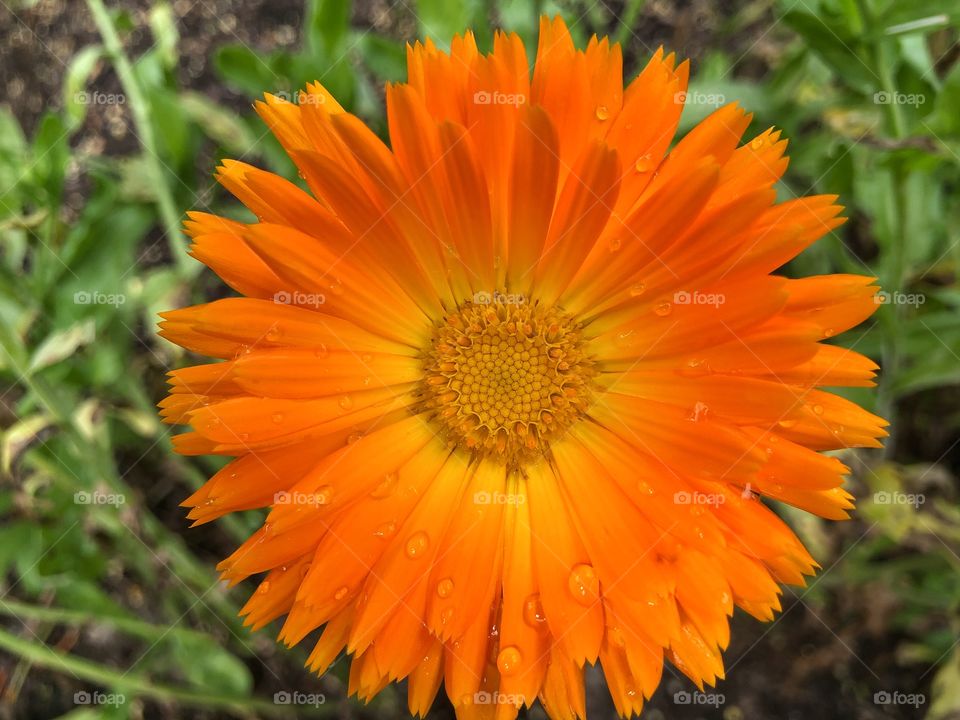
pixel 517 388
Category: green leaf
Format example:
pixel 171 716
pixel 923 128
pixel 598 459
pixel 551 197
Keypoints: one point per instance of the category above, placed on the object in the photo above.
pixel 838 51
pixel 327 27
pixel 175 143
pixel 386 58
pixel 51 152
pixel 946 119
pixel 64 343
pixel 903 16
pixel 164 29
pixel 21 544
pixel 19 436
pixel 442 19
pixel 945 701
pixel 521 17
pixel 211 667
pixel 13 160
pixel 245 70
pixel 218 123
pixel 12 143
pixel 76 99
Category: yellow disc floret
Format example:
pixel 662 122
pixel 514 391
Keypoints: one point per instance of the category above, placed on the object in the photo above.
pixel 504 379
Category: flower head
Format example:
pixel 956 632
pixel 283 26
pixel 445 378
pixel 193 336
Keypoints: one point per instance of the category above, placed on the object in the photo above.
pixel 518 388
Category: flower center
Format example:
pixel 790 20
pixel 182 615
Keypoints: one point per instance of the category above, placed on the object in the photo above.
pixel 507 378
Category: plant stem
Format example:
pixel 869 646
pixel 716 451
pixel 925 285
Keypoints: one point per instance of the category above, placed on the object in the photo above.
pixel 133 626
pixel 139 109
pixel 894 279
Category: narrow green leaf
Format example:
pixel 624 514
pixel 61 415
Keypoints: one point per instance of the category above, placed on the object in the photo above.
pixel 62 344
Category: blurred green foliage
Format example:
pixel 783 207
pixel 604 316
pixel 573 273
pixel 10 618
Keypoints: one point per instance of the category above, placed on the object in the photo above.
pixel 867 91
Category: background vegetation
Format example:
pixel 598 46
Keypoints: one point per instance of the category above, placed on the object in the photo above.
pixel 112 118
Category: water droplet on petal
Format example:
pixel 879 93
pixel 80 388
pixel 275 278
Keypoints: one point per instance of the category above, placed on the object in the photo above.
pixel 323 494
pixel 625 338
pixel 385 530
pixel 533 612
pixel 637 289
pixel 346 402
pixel 320 352
pixel 614 244
pixel 757 143
pixel 663 309
pixel 602 112
pixel 584 584
pixel 445 587
pixel 818 409
pixel 699 412
pixel 417 544
pixel 386 486
pixel 508 661
pixel 446 615
pixel 273 334
pixel 616 636
pixel 277 418
pixel 695 367
pixel 341 593
pixel 264 587
pixel 644 164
